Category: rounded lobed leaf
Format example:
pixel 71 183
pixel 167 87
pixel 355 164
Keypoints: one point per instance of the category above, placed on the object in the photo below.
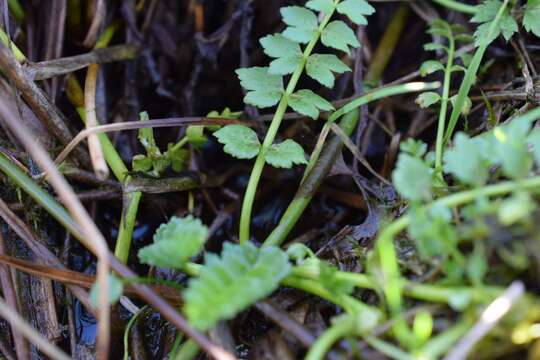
pixel 356 10
pixel 116 289
pixel 426 99
pixel 239 140
pixel 320 67
pixel 302 23
pixel 229 284
pixel 278 46
pixel 285 154
pixel 324 6
pixel 339 36
pixel 412 178
pixel 175 243
pixel 465 160
pixel 430 66
pixel 308 103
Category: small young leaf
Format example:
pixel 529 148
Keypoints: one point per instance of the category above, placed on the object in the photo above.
pixel 195 135
pixel 175 243
pixel 308 103
pixel 141 163
pixel 321 66
pixel 287 53
pixel 302 23
pixel 510 147
pixel 264 89
pixel 434 47
pixel 412 178
pixel 339 36
pixel 229 284
pixel 413 147
pixel 178 157
pixel 356 10
pixel 320 5
pixel 516 208
pixel 285 154
pixel 531 19
pixel 487 11
pixel 428 98
pixel 466 161
pixel 116 288
pixel 239 140
pixel 430 66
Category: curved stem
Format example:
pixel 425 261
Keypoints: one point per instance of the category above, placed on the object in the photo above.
pixel 458 6
pixel 249 197
pixel 324 343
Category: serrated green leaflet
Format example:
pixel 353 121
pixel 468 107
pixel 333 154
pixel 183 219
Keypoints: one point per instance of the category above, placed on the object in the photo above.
pixel 239 140
pixel 264 89
pixel 426 99
pixel 320 5
pixel 116 289
pixel 229 284
pixel 510 146
pixel 302 23
pixel 531 18
pixel 412 178
pixel 321 67
pixel 287 53
pixel 175 243
pixel 308 103
pixel 488 10
pixel 430 66
pixel 285 154
pixel 356 10
pixel 465 160
pixel 339 36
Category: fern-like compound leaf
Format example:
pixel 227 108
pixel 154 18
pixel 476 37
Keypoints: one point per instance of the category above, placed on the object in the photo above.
pixel 287 53
pixel 308 103
pixel 229 284
pixel 324 6
pixel 302 23
pixel 264 89
pixel 239 140
pixel 321 67
pixel 531 18
pixel 285 154
pixel 175 242
pixel 487 11
pixel 339 36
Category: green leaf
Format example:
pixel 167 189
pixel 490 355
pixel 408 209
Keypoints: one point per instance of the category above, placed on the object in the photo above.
pixel 287 53
pixel 229 284
pixel 477 265
pixel 485 16
pixel 531 18
pixel 324 6
pixel 308 103
pixel 467 104
pixel 285 154
pixel 534 140
pixel 177 157
pixel 516 208
pixel 175 243
pixel 423 326
pixel 264 89
pixel 510 147
pixel 239 140
pixel 441 28
pixel 412 178
pixel 416 148
pixel 339 36
pixel 321 66
pixel 434 47
pixel 154 163
pixel 466 161
pixel 116 289
pixel 195 135
pixel 302 23
pixel 141 163
pixel 428 98
pixel 356 10
pixel 430 66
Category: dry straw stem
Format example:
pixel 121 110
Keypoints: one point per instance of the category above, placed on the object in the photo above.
pixel 99 16
pixel 94 146
pixel 93 238
pixel 18 322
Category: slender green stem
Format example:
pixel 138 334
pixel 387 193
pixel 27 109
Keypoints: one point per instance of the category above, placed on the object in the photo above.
pixel 249 197
pixel 444 102
pixel 336 331
pixel 128 329
pixel 458 6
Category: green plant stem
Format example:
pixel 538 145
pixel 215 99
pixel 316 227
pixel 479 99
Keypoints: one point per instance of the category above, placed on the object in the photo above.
pixel 188 350
pixel 249 196
pixel 470 75
pixel 17 53
pixel 310 181
pixel 129 325
pixel 16 10
pixel 458 6
pixel 444 103
pixel 323 344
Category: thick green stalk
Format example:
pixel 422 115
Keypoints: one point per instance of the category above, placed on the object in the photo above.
pixel 458 6
pixel 444 103
pixel 249 197
pixel 309 184
pixel 341 328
